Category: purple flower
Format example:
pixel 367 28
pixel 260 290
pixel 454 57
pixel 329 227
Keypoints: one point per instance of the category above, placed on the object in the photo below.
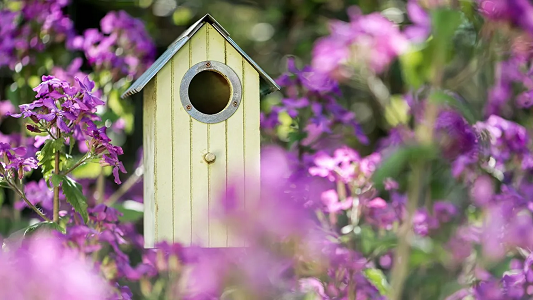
pixel 456 136
pixel 515 12
pixel 124 46
pixel 444 211
pixel 37 193
pixel 423 223
pixel 332 203
pixel 421 28
pixel 368 41
pixel 25 273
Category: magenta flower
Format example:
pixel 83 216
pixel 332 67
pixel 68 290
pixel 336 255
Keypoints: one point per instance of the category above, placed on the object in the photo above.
pixel 124 46
pixel 368 41
pixel 421 28
pixel 25 273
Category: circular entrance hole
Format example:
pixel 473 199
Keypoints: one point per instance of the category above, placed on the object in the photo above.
pixel 209 92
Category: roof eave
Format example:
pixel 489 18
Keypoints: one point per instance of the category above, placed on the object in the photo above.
pixel 144 79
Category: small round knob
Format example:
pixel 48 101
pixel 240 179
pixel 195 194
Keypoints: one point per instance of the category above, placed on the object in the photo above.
pixel 210 157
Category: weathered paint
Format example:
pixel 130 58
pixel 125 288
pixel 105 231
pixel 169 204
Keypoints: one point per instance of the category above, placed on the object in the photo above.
pixel 216 49
pixel 181 143
pixel 183 187
pixel 149 102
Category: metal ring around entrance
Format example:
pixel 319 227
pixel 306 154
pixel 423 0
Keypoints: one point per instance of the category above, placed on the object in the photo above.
pixel 235 90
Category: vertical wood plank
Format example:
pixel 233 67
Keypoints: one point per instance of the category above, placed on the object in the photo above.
pixel 181 141
pixel 235 141
pixel 149 101
pixel 199 146
pixel 252 147
pixel 216 49
pixel 163 156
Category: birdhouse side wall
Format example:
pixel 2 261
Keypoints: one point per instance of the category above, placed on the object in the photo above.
pixel 149 102
pixel 184 189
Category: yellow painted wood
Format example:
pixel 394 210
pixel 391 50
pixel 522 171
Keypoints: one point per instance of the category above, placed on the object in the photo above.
pixel 235 142
pixel 199 146
pixel 217 145
pixel 163 156
pixel 181 144
pixel 180 188
pixel 149 102
pixel 252 135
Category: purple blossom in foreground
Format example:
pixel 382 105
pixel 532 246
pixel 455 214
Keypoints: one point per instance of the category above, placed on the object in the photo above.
pixel 43 268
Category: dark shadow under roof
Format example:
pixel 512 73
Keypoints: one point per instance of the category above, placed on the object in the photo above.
pixel 267 84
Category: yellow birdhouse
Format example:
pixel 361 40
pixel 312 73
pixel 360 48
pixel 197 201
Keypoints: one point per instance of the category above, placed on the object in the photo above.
pixel 201 126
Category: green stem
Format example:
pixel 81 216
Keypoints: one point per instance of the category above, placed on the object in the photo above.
pixel 56 190
pixel 30 205
pixel 132 180
pixel 79 163
pixel 403 251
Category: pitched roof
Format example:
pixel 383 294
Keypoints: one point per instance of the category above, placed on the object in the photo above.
pixel 267 84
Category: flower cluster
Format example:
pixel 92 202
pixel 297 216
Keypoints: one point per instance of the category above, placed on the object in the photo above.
pixel 67 112
pixel 123 46
pixel 311 101
pixel 368 42
pixel 14 162
pixel 515 12
pixel 32 29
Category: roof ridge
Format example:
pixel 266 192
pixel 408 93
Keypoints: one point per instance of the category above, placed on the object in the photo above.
pixel 267 86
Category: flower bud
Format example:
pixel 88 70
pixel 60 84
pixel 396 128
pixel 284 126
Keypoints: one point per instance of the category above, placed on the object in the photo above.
pixel 33 128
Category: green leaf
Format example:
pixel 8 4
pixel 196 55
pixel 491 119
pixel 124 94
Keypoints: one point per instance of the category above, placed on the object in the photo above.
pixel 376 277
pixel 443 98
pixel 73 192
pixel 128 215
pixel 397 161
pixel 43 226
pixel 444 24
pixel 46 156
pixel 56 180
pixel 414 70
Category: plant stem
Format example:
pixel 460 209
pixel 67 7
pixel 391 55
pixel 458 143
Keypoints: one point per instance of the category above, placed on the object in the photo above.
pixel 403 251
pixel 424 134
pixel 100 187
pixel 132 180
pixel 79 163
pixel 30 205
pixel 56 190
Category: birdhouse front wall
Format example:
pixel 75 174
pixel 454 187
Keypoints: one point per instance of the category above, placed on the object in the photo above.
pixel 180 188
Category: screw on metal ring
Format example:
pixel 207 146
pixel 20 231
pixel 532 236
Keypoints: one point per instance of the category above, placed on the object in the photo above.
pixel 208 64
pixel 188 107
pixel 235 103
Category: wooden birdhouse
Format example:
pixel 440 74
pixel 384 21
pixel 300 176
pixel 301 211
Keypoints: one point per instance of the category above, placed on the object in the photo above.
pixel 201 126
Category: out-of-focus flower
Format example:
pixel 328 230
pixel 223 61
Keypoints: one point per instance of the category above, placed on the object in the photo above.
pixel 44 268
pixel 123 46
pixel 33 28
pixel 421 28
pixel 456 137
pixel 515 12
pixel 368 41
